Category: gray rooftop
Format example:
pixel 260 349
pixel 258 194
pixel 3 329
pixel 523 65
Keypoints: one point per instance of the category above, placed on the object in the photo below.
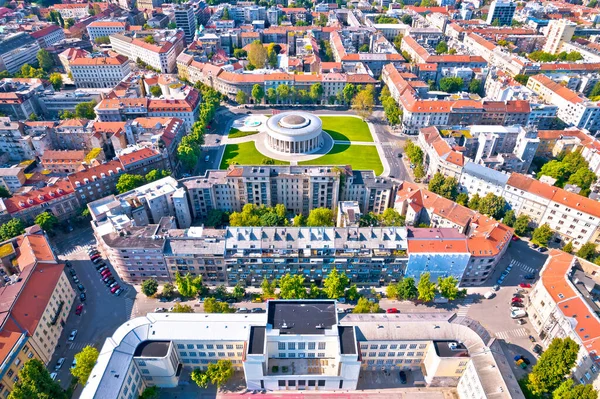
pixel 301 317
pixel 10 43
pixel 152 349
pixel 486 174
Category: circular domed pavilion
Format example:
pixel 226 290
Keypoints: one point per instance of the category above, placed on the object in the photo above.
pixel 294 132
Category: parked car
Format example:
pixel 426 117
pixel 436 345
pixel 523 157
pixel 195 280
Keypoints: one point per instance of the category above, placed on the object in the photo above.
pixel 489 295
pixel 113 289
pixel 542 249
pixel 515 238
pixel 391 310
pixel 80 287
pixel 82 297
pixel 118 292
pixel 515 299
pixel 95 256
pixel 79 309
pixel 256 310
pixel 73 335
pixel 75 280
pixel 74 363
pixel 518 313
pixel 525 285
pixel 160 310
pixel 107 277
pixel 517 305
pixel 520 321
pixel 59 363
pixel 72 272
pixel 537 348
pixel 105 272
pixel 496 288
pixel 532 338
pixel 109 282
pixel 403 379
pixel 534 246
pixel 241 310
pixel 113 284
pixel 102 268
pixel 97 260
pixel 529 276
pixel 53 376
pixel 68 263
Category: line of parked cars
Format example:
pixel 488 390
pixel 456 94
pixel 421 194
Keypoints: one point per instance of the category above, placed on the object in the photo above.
pixel 105 273
pixel 80 287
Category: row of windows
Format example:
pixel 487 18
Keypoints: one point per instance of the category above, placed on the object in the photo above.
pixel 301 345
pixel 393 346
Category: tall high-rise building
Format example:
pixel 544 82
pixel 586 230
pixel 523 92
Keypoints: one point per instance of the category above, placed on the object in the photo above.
pixel 186 20
pixel 559 31
pixel 501 10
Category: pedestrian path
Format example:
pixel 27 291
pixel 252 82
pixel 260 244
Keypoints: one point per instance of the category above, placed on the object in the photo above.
pixel 130 308
pixel 524 267
pixel 78 346
pixel 464 308
pixel 74 250
pixel 517 332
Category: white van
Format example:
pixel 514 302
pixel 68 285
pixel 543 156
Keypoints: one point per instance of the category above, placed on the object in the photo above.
pixel 489 295
pixel 517 314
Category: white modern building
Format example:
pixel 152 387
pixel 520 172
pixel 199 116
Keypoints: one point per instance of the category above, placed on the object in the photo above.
pixel 73 10
pixel 100 72
pixel 478 179
pixel 104 28
pixel 17 50
pixel 302 345
pixel 158 49
pixel 559 32
pixel 294 132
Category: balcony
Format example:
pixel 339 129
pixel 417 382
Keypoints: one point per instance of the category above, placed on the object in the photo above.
pixel 298 366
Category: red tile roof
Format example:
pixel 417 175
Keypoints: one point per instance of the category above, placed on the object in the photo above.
pixel 136 156
pixel 38 197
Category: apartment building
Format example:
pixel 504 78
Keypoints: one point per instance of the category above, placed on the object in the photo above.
pixel 74 134
pixel 105 28
pixel 14 141
pixel 501 11
pixel 561 304
pixel 70 54
pixel 160 51
pixel 480 180
pixel 12 178
pixel 185 19
pixel 439 156
pixel 75 10
pixel 63 161
pixel 559 32
pixel 48 35
pixel 99 72
pixel 96 182
pixel 38 299
pixel 573 109
pixel 58 198
pixel 17 50
pixel 322 353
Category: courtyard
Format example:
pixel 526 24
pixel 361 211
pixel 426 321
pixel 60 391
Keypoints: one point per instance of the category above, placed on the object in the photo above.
pixel 346 140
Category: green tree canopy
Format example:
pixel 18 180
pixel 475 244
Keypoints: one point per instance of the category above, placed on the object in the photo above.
pixel 462 199
pixel 553 365
pixel 216 373
pixel 447 187
pixel 524 78
pixel 475 86
pixel 149 287
pixel 238 291
pixel 211 305
pixel 474 202
pixel 241 97
pixel 451 84
pixel 542 235
pixel 102 40
pixel 568 248
pixel 413 152
pixel 46 220
pixel 35 383
pixel 335 284
pixel 258 93
pixel 86 359
pixel 509 218
pixel 441 48
pixel 292 287
pixel 363 103
pixel 268 288
pixel 12 228
pixel 45 60
pixel 152 392
pixel 85 110
pixel 128 182
pixel 426 288
pixel 492 205
pixel 240 53
pixel 587 251
pixel 320 217
pixel 521 225
pixel 406 289
pixel 182 308
pixel 253 215
pixel 56 80
pixel 364 306
pixel 188 285
pixel 156 174
pixel 448 287
pixel 257 55
pixel 568 390
pixel 156 91
pixel 391 217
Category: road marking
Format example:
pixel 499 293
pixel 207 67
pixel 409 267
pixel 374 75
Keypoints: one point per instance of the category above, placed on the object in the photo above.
pixel 464 308
pixel 524 267
pixel 78 346
pixel 129 305
pixel 517 332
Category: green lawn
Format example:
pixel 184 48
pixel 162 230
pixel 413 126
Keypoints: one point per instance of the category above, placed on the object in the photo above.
pixel 244 154
pixel 237 133
pixel 346 128
pixel 360 157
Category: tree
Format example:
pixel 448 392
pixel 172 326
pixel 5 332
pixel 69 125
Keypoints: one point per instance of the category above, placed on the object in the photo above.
pixel 406 289
pixel 272 55
pixel 451 84
pixel 66 114
pixel 240 53
pixel 447 187
pixel 413 152
pixel 45 60
pixel 419 172
pixel 521 225
pixel 268 289
pixel 283 92
pixel 448 287
pixel 509 218
pixel 217 373
pixel 348 92
pixel 4 193
pixel 216 218
pixel 35 383
pixel 406 19
pixel 152 392
pixel 474 202
pixel 156 174
pixel 568 248
pixel 398 42
pixel 441 48
pixel 188 285
pixel 271 96
pixel 225 16
pixel 128 182
pixel 180 308
pixel 292 287
pixel 85 110
pixel 12 228
pixel 492 205
pixel 172 25
pixel 69 22
pixel 542 235
pixel 168 290
pixel 496 22
pixel 320 217
pixel 462 199
pixel 258 93
pixel 352 293
pixel 316 92
pixel 426 288
pixel 239 291
pixel 102 40
pixel 363 48
pixel 257 55
pixel 475 86
pixel 56 80
pixel 86 359
pixel 241 97
pixel 212 306
pixel 363 103
pixel 149 287
pixel 156 91
pixel 391 217
pixel 553 365
pixel 568 390
pixel 587 251
pixel 436 182
pixel 364 306
pixel 298 221
pixel 46 221
pixel 524 78
pixel 335 284
pixel 583 178
pixel 33 117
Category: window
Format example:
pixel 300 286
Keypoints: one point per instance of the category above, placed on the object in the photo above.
pixel 281 354
pixel 372 354
pixel 301 345
pixel 219 346
pixel 321 345
pixel 311 346
pixel 291 346
pixel 190 346
pixel 321 354
pixel 210 346
pixel 281 346
pixel 321 383
pixel 381 354
pixel 391 354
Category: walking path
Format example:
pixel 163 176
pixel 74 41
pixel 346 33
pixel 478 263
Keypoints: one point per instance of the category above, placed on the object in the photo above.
pixel 259 140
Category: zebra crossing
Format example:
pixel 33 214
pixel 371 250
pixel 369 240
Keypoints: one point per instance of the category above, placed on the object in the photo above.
pixel 523 266
pixel 130 308
pixel 464 308
pixel 517 332
pixel 78 346
pixel 74 250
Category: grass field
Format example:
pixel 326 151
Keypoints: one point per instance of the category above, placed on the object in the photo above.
pixel 346 128
pixel 237 133
pixel 244 154
pixel 360 157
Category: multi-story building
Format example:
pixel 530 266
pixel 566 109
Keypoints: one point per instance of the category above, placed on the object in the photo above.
pixel 559 32
pixel 99 72
pixel 58 198
pixel 501 11
pixel 12 178
pixel 303 345
pixel 14 141
pixel 561 305
pixel 20 96
pixel 105 28
pixel 440 157
pixel 38 299
pixel 185 19
pixel 158 49
pixel 65 100
pixel 74 134
pixel 17 50
pixel 96 182
pixel 73 10
pixel 477 179
pixel 48 35
pixel 63 161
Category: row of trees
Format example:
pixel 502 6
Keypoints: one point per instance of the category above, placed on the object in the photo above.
pixel 82 110
pixel 15 227
pixel 189 149
pixel 393 113
pixel 254 215
pixel 416 157
pixel 389 217
pixel 542 56
pixel 570 168
pixel 425 290
pixel 128 182
pixel 335 285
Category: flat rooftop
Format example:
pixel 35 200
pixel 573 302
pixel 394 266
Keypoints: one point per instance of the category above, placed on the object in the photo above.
pixel 152 349
pixel 301 317
pixel 347 340
pixel 450 349
pixel 257 340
